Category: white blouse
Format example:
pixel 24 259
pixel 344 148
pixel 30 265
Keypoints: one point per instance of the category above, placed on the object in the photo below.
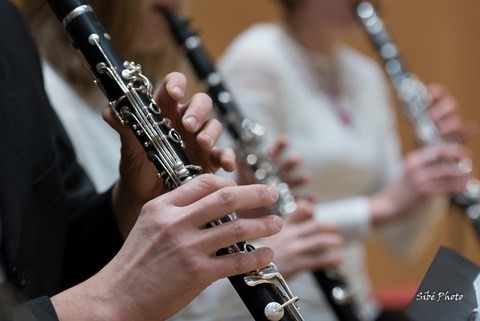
pixel 348 144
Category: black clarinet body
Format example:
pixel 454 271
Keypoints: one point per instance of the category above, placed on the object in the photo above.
pixel 248 136
pixel 264 291
pixel 128 91
pixel 414 97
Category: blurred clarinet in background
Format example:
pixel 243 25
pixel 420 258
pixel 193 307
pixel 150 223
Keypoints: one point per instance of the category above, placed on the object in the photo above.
pixel 414 96
pixel 248 137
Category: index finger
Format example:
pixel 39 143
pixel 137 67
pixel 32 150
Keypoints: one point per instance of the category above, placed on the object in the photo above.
pixel 171 90
pixel 230 199
pixel 437 91
pixel 196 189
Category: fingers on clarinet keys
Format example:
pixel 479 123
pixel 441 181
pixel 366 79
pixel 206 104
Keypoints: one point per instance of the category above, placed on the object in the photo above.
pixel 433 155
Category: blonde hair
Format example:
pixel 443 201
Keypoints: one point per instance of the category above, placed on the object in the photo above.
pixel 121 21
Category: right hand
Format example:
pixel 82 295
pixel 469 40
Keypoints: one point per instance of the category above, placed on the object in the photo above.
pixel 305 244
pixel 169 256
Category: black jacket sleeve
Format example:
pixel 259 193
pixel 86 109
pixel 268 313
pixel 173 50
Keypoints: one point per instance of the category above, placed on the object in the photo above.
pixel 56 231
pixel 40 309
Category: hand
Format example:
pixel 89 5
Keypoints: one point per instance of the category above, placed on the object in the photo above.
pixel 138 177
pixel 192 120
pixel 288 166
pixel 305 244
pixel 169 256
pixel 428 171
pixel 444 112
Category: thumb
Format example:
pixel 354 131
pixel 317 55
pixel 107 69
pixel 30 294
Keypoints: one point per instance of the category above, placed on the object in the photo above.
pixel 123 130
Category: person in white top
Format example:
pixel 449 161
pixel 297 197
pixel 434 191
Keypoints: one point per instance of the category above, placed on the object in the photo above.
pixel 333 104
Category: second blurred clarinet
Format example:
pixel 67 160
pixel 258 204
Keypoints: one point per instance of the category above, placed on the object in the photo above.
pixel 247 134
pixel 249 137
pixel 416 101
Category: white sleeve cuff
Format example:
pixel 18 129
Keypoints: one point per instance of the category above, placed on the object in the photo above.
pixel 352 215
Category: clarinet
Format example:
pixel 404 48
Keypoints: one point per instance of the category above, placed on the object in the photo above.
pixel 264 291
pixel 247 134
pixel 415 99
pixel 249 137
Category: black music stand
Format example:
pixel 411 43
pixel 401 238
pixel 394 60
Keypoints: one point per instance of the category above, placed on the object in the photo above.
pixel 447 292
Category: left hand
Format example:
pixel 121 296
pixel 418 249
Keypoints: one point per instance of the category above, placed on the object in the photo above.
pixel 138 181
pixel 444 112
pixel 286 165
pixel 304 243
pixel 289 165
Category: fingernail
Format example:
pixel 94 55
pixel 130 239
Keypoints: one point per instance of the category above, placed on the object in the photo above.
pixel 465 165
pixel 177 90
pixel 192 122
pixel 273 192
pixel 209 140
pixel 278 222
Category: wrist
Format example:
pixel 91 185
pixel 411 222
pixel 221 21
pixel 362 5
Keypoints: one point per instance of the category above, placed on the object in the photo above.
pixel 387 205
pixel 126 210
pixel 70 305
pixel 381 210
